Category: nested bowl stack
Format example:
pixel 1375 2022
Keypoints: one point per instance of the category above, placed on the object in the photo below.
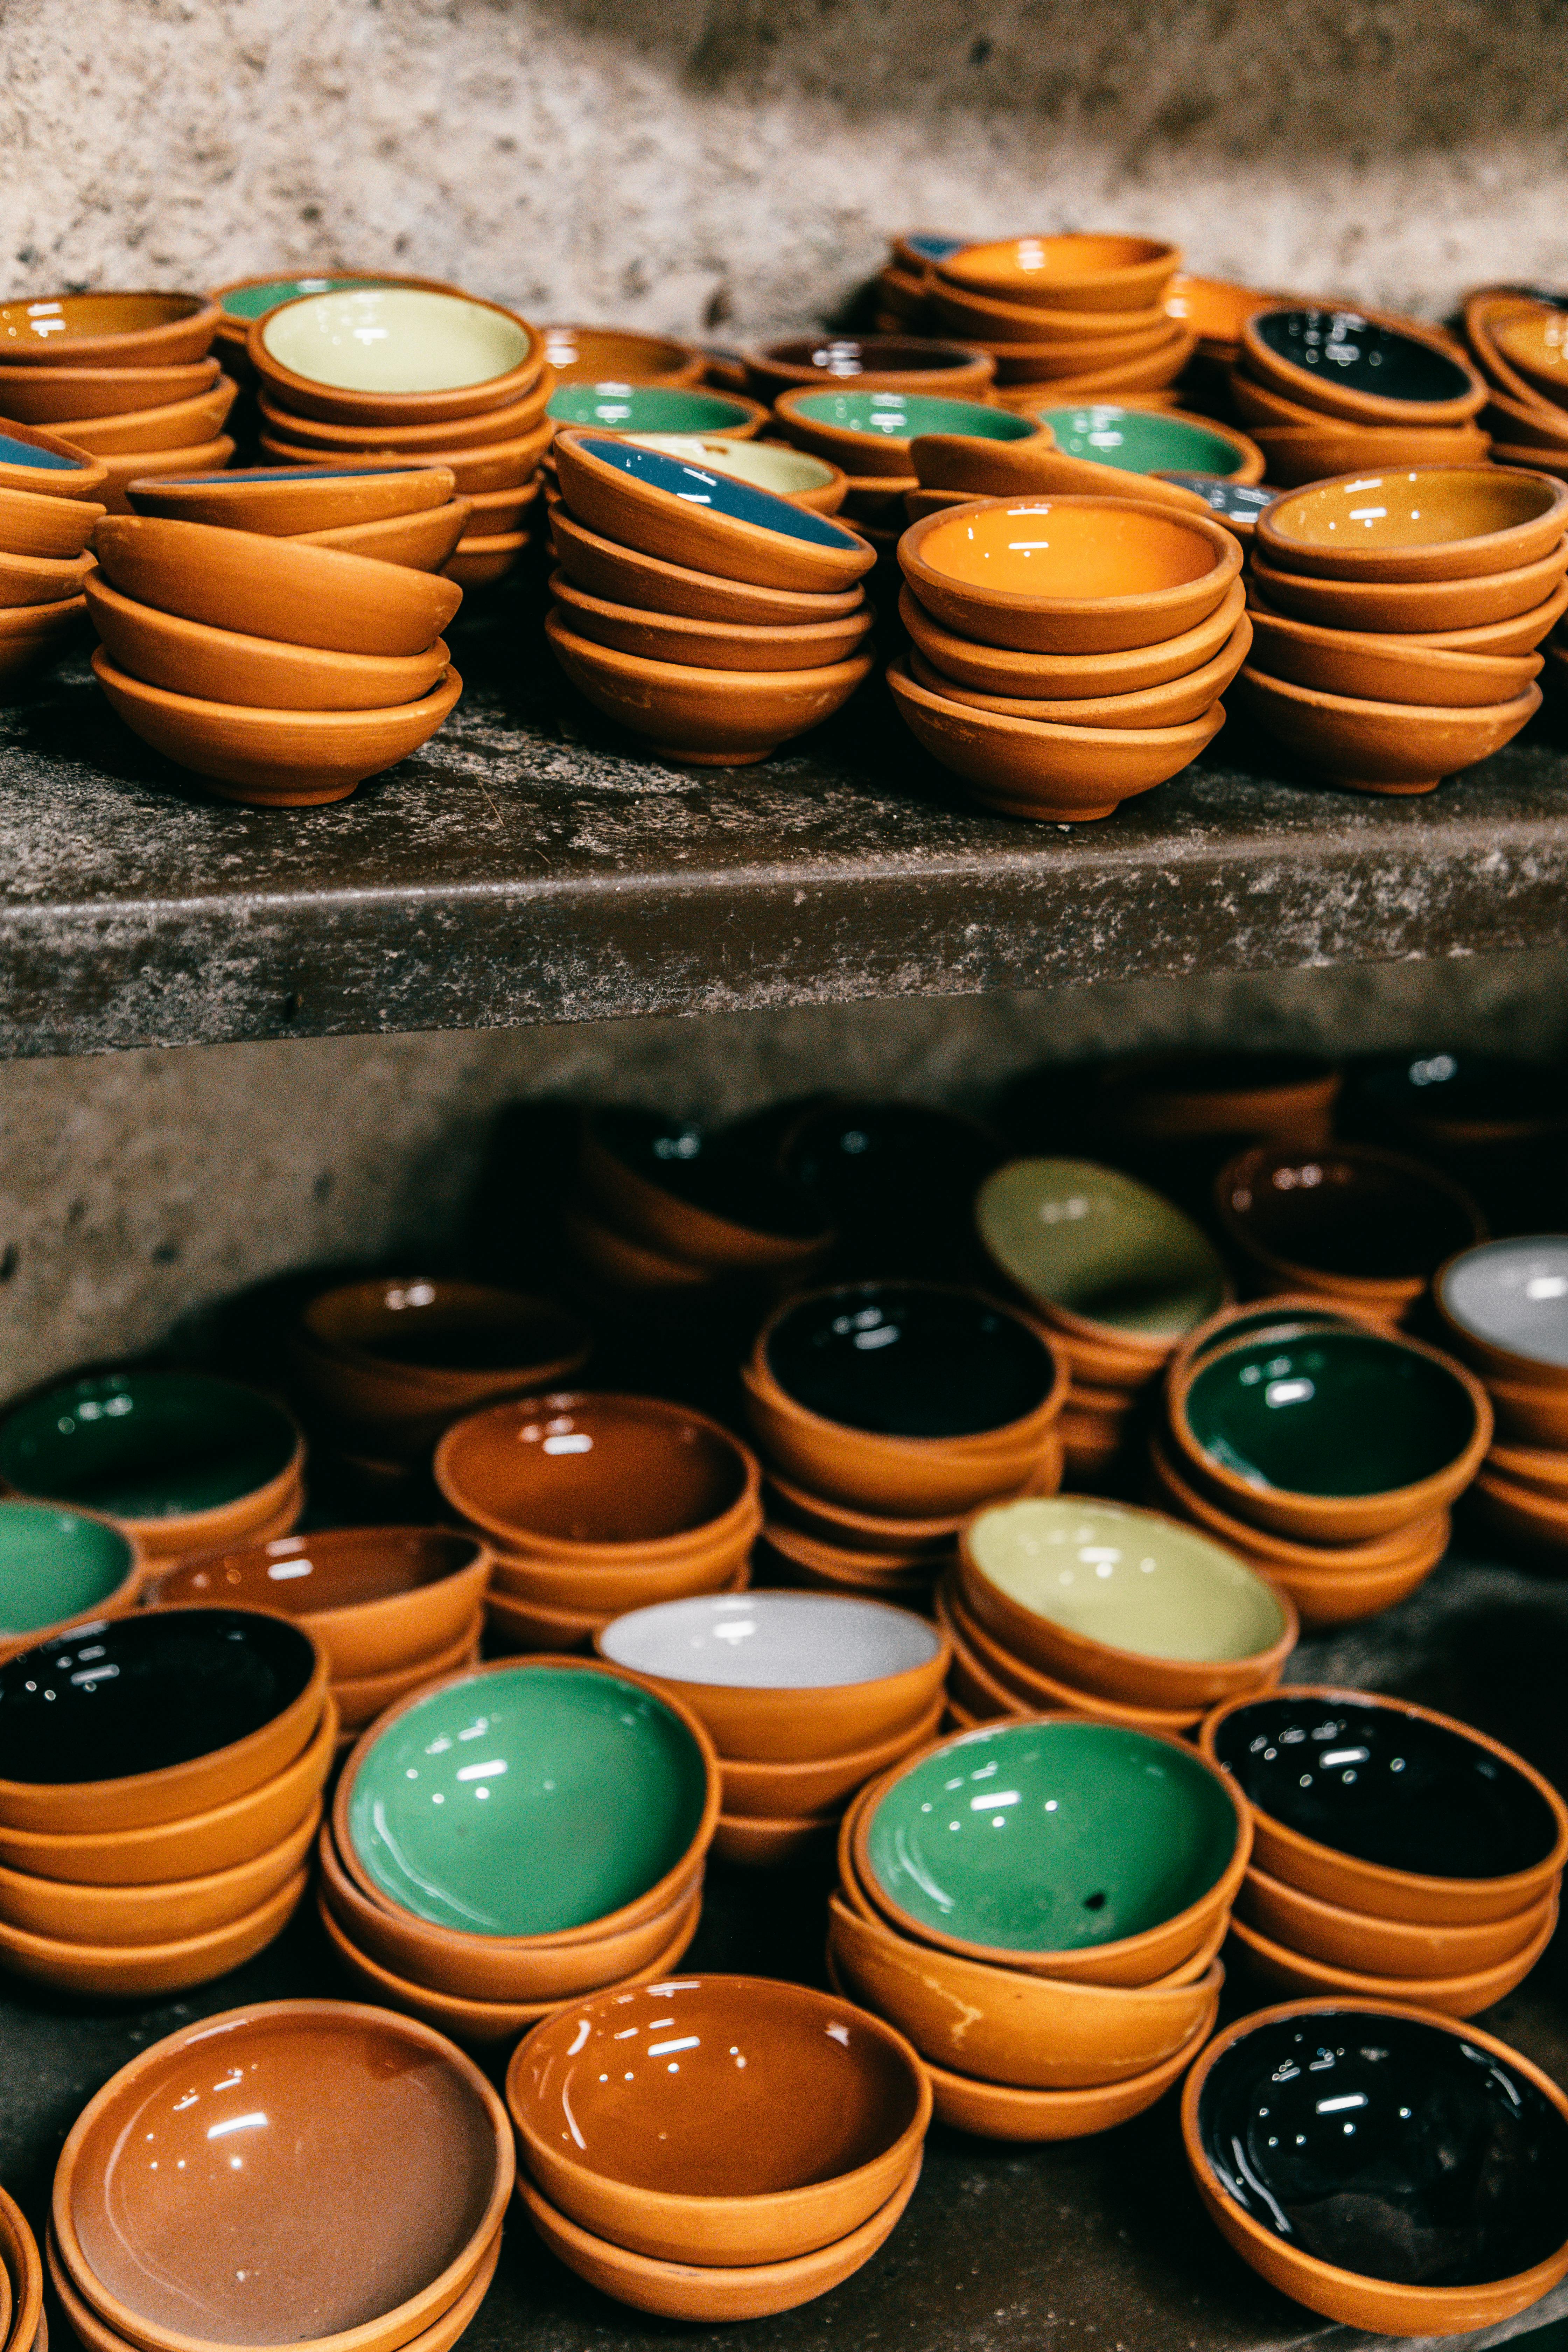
pixel 1117 1274
pixel 712 617
pixel 881 363
pixel 51 495
pixel 605 357
pixel 643 408
pixel 1091 448
pixel 1064 317
pixel 903 288
pixel 1067 653
pixel 1325 391
pixel 1397 1854
pixel 1038 1905
pixel 129 378
pixel 405 511
pixel 161 1779
pixel 1502 1307
pixel 885 1413
pixel 1516 341
pixel 720 2147
pixel 283 2135
pixel 283 673
pixel 421 372
pixel 806 1696
pixel 612 1791
pixel 595 1504
pixel 1396 617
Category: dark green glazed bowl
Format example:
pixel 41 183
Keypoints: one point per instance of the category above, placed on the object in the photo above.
pixel 147 1445
pixel 57 1564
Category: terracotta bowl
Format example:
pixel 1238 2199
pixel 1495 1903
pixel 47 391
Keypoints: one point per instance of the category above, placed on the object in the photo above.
pixel 714 2163
pixel 871 1534
pixel 617 354
pixel 1002 2112
pixel 400 2124
pixel 59 396
pixel 1422 607
pixel 705 717
pixel 708 645
pixel 1149 441
pixel 1383 670
pixel 792 474
pixel 523 417
pixel 140 1971
pixel 1013 1683
pixel 137 465
pixel 1178 704
pixel 870 432
pixel 475 469
pixel 221 666
pixel 770 1792
pixel 1527 1412
pixel 1125 1603
pixel 31 635
pixel 625 575
pixel 866 1473
pixel 869 364
pixel 41 462
pixel 115 330
pixel 135 1916
pixel 1119 1857
pixel 1363 1225
pixel 1359 1940
pixel 57 529
pixel 1068 575
pixel 25 2322
pixel 1522 1513
pixel 177 424
pixel 643 408
pixel 1074 272
pixel 773 1844
pixel 1502 1306
pixel 1372 368
pixel 1001 670
pixel 997 320
pixel 1294 455
pixel 1451 522
pixel 552 1583
pixel 1381 747
pixel 1279 1556
pixel 1520 635
pixel 394 355
pixel 41 578
pixel 785 1677
pixel 1469 2186
pixel 57 1564
pixel 1291 1972
pixel 1428 1821
pixel 1544 1473
pixel 955 467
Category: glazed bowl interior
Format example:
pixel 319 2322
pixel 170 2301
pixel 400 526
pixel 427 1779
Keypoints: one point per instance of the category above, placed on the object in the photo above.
pixel 393 339
pixel 909 1360
pixel 1036 267
pixel 1050 1836
pixel 771 1641
pixel 1099 1245
pixel 714 1172
pixel 785 472
pixel 1139 440
pixel 1329 1412
pixel 592 1469
pixel 1513 1296
pixel 1424 508
pixel 55 1564
pixel 337 1567
pixel 443 1327
pixel 1343 348
pixel 1373 1781
pixel 14 452
pixel 646 408
pixel 598 1782
pixel 899 415
pixel 1126 1578
pixel 719 494
pixel 146 1445
pixel 851 355
pixel 265 294
pixel 1387 2146
pixel 1356 1216
pixel 1049 548
pixel 59 322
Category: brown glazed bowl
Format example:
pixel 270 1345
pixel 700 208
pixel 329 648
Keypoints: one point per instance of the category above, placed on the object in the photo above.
pixel 869 364
pixel 1364 1227
pixel 143 329
pixel 1427 522
pixel 711 2160
pixel 394 2125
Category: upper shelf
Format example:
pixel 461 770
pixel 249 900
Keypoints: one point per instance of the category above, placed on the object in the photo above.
pixel 525 868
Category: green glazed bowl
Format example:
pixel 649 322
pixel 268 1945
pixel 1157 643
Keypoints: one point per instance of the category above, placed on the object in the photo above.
pixel 900 416
pixel 525 1800
pixel 1050 1837
pixel 1140 441
pixel 56 1564
pixel 146 1445
pixel 252 301
pixel 1331 1412
pixel 1101 1246
pixel 1270 1316
pixel 646 408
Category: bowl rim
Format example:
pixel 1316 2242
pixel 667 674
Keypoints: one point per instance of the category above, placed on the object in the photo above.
pixel 846 563
pixel 1365 407
pixel 540 1376
pixel 969 1642
pixel 1354 595
pixel 201 311
pixel 1347 562
pixel 1439 659
pixel 1224 545
pixel 1342 1914
pixel 1482 716
pixel 1508 1363
pixel 1289 1555
pixel 788 1695
pixel 24 2268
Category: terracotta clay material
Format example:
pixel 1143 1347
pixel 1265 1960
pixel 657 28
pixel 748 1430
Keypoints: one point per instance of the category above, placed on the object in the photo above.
pixel 1359 1940
pixel 1000 670
pixel 181 425
pixel 1384 669
pixel 867 1532
pixel 1451 522
pixel 399 2130
pixel 788 1843
pixel 57 529
pixel 708 645
pixel 58 396
pixel 708 717
pixel 1178 704
pixel 489 465
pixel 757 1791
pixel 132 1971
pixel 41 578
pixel 805 481
pixel 91 330
pixel 221 666
pixel 1279 1555
pixel 1368 367
pixel 870 362
pixel 394 355
pixel 1423 606
pixel 25 2322
pixel 1365 1228
pixel 1001 2111
pixel 616 354
pixel 134 1917
pixel 870 432
pixel 522 419
pixel 137 464
pixel 1531 1517
pixel 997 320
pixel 33 634
pixel 1022 1685
pixel 283 503
pixel 1295 455
pixel 362 1698
pixel 1538 1416
pixel 625 575
pixel 962 468
pixel 1290 1972
pixel 481 562
pixel 424 542
pixel 43 463
pixel 1380 747
pixel 1074 272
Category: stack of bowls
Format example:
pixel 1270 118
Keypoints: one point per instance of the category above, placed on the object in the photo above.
pixel 1395 618
pixel 58 1565
pixel 869 433
pixel 806 1698
pixel 1327 1453
pixel 1364 1229
pixel 1087 449
pixel 1084 1608
pixel 1503 1309
pixel 1066 317
pixel 1516 341
pixel 1118 1274
pixel 888 1411
pixel 1038 1905
pixel 25 2329
pixel 610 1792
pixel 48 505
pixel 1397 1853
pixel 127 377
pixel 181 1461
pixel 411 372
pixel 284 674
pixel 594 1505
pixel 903 283
pixel 763 2166
pixel 1497 1123
pixel 1068 652
pixel 609 357
pixel 1326 392
pixel 284 2134
pixel 160 1783
pixel 394 1608
pixel 747 610
pixel 790 474
pixel 1174 1119
pixel 381 1369
pixel 405 514
pixel 892 362
pixel 1384 2167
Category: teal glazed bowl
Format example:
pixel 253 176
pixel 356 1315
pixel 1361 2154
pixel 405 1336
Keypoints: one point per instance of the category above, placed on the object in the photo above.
pixel 1064 1848
pixel 57 1564
pixel 528 1801
pixel 871 432
pixel 1150 441
pixel 653 408
pixel 149 1446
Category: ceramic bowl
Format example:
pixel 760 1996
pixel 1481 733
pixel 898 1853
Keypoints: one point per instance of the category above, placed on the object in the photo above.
pixel 424 541
pixel 606 1591
pixel 1439 2210
pixel 222 667
pixel 137 465
pixel 1152 441
pixel 625 575
pixel 1180 703
pixel 1384 1806
pixel 1280 1556
pixel 781 1678
pixel 646 499
pixel 41 463
pixel 476 469
pixel 1000 670
pixel 139 1971
pixel 40 579
pixel 790 474
pixel 1106 1857
pixel 240 300
pixel 58 1563
pixel 704 717
pixel 393 355
pixel 1068 575
pixel 404 2128
pixel 954 467
pixel 1002 2112
pixel 1363 1225
pixel 1182 1098
pixel 1381 747
pixel 1422 607
pixel 135 1916
pixel 113 329
pixel 773 1844
pixel 712 2161
pixel 997 320
pixel 768 1792
pixel 1071 272
pixel 55 529
pixel 708 645
pixel 520 419
pixel 1505 1307
pixel 32 636
pixel 150 1718
pixel 1533 342
pixel 1527 1412
pixel 1522 1512
pixel 643 408
pixel 59 396
pixel 1014 1685
pixel 24 2320
pixel 1370 368
pixel 617 354
pixel 177 424
pixel 1337 1596
pixel 870 432
pixel 867 363
pixel 1360 1941
pixel 1122 1602
pixel 1294 455
pixel 1040 359
pixel 1383 670
pixel 1448 522
pixel 1544 1473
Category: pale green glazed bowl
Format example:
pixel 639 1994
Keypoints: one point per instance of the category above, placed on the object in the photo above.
pixel 56 1564
pixel 785 472
pixel 900 416
pixel 393 339
pixel 1101 1246
pixel 526 1800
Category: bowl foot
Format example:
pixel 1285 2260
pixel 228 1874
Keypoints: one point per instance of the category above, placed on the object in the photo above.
pixel 685 759
pixel 1385 790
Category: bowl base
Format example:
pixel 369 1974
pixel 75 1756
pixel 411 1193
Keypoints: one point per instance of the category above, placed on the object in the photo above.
pixel 1384 791
pixel 300 793
pixel 712 759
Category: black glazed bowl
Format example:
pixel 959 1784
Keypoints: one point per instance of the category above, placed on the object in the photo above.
pixel 1236 504
pixel 699 1195
pixel 1347 355
pixel 910 1360
pixel 1445 1095
pixel 895 1179
pixel 145 1444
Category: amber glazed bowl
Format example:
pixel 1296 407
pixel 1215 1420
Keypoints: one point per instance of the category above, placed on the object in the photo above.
pixel 1435 522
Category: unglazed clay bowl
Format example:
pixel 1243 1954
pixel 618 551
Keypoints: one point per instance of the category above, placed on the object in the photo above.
pixel 699 716
pixel 58 396
pixel 655 408
pixel 1060 1847
pixel 648 500
pixel 40 579
pixel 1070 575
pixel 221 666
pixel 57 529
pixel 867 363
pixel 767 1792
pixel 135 1916
pixel 1152 441
pixel 787 2120
pixel 475 468
pixel 1381 747
pixel 519 419
pixel 1368 368
pixel 1359 1940
pixel 32 635
pixel 600 1481
pixel 1075 272
pixel 177 424
pixel 1002 2025
pixel 285 502
pixel 625 575
pixel 1384 669
pixel 785 1677
pixel 41 462
pixel 708 645
pixel 869 431
pixel 1122 1602
pixel 1294 455
pixel 1180 703
pixel 1000 670
pixel 393 355
pixel 397 2129
pixel 137 465
pixel 1437 522
pixel 109 330
pixel 1002 2112
pixel 1384 1806
pixel 1007 1676
pixel 618 355
pixel 1522 1512
pixel 1365 1226
pixel 24 2320
pixel 140 1971
pixel 1279 1556
pixel 147 1719
pixel 1505 1307
pixel 1419 607
pixel 58 1563
pixel 1385 2168
pixel 957 469
pixel 790 474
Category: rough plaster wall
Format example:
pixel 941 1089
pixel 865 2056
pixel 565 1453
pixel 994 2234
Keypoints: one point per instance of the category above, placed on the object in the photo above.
pixel 136 1187
pixel 674 162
